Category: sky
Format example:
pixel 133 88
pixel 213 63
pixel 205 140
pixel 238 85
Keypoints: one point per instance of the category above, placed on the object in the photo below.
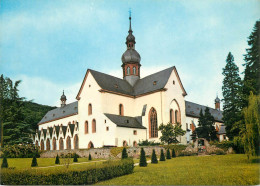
pixel 49 45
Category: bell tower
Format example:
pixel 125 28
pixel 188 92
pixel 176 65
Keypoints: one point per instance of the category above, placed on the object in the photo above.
pixel 63 100
pixel 131 58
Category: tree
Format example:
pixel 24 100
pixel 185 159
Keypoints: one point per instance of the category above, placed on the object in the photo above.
pixel 252 121
pixel 75 158
pixel 124 153
pixel 57 160
pixel 206 127
pixel 173 153
pixel 168 154
pixel 170 133
pixel 142 162
pixel 162 157
pixel 34 162
pixel 89 157
pixel 231 90
pixel 251 80
pixel 154 158
pixel 4 163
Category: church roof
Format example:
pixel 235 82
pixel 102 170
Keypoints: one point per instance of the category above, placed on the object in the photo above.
pixel 126 121
pixel 193 109
pixel 67 110
pixel 72 127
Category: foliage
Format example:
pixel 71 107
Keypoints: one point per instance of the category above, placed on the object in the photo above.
pixel 177 147
pixel 252 121
pixel 20 151
pixel 162 156
pixel 34 162
pixel 168 154
pixel 154 157
pixel 124 154
pixel 83 176
pixel 185 153
pixel 142 162
pixel 206 127
pixel 4 163
pixel 71 155
pixel 148 143
pixel 173 153
pixel 225 145
pixel 57 159
pixel 116 150
pixel 89 157
pixel 231 90
pixel 75 158
pixel 170 133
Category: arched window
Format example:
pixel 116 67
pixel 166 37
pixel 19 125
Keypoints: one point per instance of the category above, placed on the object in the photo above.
pixel 48 144
pixel 125 143
pixel 86 127
pixel 128 70
pixel 171 116
pixel 134 70
pixel 54 143
pixel 37 144
pixel 89 109
pixel 42 145
pixel 76 142
pixel 121 110
pixel 134 144
pixel 61 146
pixel 90 145
pixel 153 129
pixel 176 116
pixel 68 143
pixel 93 126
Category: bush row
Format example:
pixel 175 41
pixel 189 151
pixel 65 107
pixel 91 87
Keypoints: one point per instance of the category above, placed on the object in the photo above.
pixel 92 175
pixel 20 151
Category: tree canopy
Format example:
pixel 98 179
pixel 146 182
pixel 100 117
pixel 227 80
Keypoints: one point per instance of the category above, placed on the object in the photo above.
pixel 170 133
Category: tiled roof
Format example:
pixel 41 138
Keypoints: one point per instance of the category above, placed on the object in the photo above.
pixel 72 127
pixel 126 121
pixel 64 130
pixel 50 131
pixel 57 129
pixel 193 109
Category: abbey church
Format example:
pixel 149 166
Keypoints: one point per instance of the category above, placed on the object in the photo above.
pixel 110 111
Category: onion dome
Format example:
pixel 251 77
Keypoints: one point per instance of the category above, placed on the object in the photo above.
pixel 131 56
pixel 63 97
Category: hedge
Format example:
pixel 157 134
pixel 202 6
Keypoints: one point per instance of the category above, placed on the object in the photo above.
pixel 82 176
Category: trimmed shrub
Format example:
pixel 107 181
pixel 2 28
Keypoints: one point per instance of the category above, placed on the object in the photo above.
pixel 4 163
pixel 168 155
pixel 173 153
pixel 20 151
pixel 75 158
pixel 89 157
pixel 80 176
pixel 185 153
pixel 148 143
pixel 57 160
pixel 142 162
pixel 154 158
pixel 162 157
pixel 124 154
pixel 34 162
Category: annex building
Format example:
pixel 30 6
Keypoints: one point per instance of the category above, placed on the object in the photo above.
pixel 110 111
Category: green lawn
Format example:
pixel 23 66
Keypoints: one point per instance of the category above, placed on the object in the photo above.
pixel 195 170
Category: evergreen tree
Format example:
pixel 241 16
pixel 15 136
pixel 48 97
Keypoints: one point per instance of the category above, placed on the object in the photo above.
pixel 34 162
pixel 173 153
pixel 89 157
pixel 75 158
pixel 168 154
pixel 170 133
pixel 142 162
pixel 124 153
pixel 154 158
pixel 206 127
pixel 251 80
pixel 4 163
pixel 57 160
pixel 231 90
pixel 162 157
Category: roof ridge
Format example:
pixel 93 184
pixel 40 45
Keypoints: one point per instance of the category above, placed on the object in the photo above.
pixel 156 72
pixel 106 74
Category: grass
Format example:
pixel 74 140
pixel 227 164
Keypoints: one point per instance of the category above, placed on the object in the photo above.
pixel 194 170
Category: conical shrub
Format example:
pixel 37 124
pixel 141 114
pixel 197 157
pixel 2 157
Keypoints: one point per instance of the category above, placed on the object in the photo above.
pixel 89 157
pixel 162 157
pixel 168 155
pixel 57 160
pixel 75 158
pixel 173 153
pixel 154 158
pixel 142 162
pixel 4 163
pixel 124 153
pixel 34 162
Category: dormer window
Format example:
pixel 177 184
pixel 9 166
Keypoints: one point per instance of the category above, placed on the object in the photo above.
pixel 155 82
pixel 63 111
pixel 116 85
pixel 53 115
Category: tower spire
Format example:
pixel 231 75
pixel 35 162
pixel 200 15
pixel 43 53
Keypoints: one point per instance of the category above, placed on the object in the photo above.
pixel 130 26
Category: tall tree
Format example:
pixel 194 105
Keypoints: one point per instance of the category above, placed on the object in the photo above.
pixel 206 127
pixel 251 80
pixel 231 90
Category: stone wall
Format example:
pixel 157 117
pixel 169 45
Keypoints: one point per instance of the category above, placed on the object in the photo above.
pixel 103 153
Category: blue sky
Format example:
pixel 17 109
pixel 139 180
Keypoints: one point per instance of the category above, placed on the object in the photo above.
pixel 49 45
